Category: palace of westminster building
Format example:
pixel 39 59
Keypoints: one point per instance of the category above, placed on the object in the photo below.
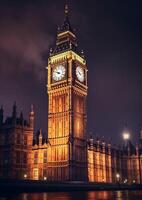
pixel 67 154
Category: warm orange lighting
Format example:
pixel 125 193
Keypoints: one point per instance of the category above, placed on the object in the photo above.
pixel 91 174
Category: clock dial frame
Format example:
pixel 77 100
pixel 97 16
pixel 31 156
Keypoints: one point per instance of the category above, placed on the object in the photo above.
pixel 58 72
pixel 80 74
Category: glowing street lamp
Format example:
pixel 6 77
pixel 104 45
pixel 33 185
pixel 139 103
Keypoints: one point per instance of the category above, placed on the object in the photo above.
pixel 25 176
pixel 134 181
pixel 125 181
pixel 118 177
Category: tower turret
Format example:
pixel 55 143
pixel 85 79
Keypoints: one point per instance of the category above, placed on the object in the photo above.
pixel 91 140
pixel 40 137
pixel 14 113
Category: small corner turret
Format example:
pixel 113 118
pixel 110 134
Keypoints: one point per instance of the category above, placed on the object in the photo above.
pixel 40 137
pixel 14 113
pixel 31 117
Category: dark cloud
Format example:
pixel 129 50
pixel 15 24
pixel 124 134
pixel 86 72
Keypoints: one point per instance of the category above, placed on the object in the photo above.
pixel 23 41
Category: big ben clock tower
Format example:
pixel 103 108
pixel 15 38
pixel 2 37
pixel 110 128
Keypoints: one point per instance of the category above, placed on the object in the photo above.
pixel 67 92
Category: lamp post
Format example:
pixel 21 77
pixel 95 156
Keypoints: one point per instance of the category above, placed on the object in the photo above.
pixel 118 177
pixel 126 138
pixel 25 176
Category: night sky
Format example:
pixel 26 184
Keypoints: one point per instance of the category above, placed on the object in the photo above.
pixel 109 32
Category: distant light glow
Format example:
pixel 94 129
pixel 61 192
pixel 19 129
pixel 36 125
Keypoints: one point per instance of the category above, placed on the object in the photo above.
pixel 117 176
pixel 126 135
pixel 125 181
pixel 25 176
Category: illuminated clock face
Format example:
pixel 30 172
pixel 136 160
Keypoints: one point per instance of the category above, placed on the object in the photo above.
pixel 58 73
pixel 80 73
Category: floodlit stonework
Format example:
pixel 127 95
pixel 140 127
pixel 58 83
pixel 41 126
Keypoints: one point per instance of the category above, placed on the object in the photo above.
pixel 68 153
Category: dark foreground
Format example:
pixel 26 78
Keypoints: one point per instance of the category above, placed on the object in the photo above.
pixel 90 195
pixel 44 186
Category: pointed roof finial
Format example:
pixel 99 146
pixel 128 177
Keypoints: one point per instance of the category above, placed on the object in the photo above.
pixel 40 132
pixel 21 114
pixel 14 109
pixel 14 105
pixel 1 108
pixel 32 109
pixel 70 45
pixel 66 9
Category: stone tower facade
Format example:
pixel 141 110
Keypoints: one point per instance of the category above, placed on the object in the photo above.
pixel 67 92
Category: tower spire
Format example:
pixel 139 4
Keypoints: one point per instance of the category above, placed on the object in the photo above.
pixel 66 38
pixel 31 116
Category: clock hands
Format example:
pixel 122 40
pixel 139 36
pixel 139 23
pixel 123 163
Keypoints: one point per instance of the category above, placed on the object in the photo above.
pixel 79 73
pixel 58 72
